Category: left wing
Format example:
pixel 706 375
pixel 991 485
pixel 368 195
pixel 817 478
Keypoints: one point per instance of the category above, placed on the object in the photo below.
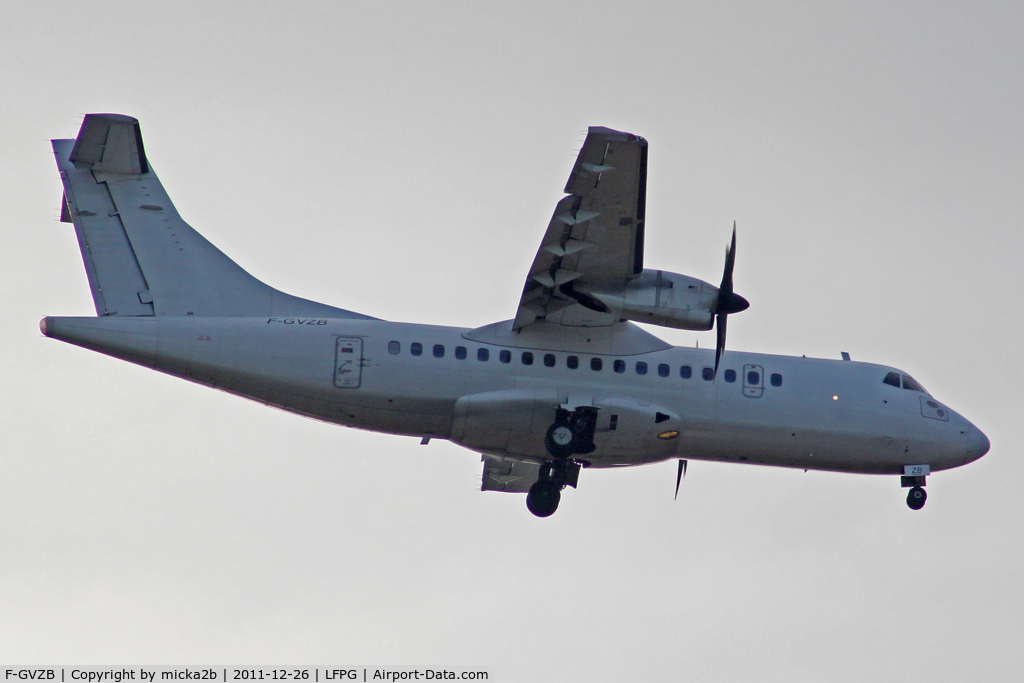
pixel 595 239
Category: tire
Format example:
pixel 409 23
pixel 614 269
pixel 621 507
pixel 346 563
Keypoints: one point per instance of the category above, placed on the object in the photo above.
pixel 916 498
pixel 561 440
pixel 543 498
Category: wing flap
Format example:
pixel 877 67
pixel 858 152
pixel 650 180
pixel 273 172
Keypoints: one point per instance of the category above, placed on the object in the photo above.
pixel 505 474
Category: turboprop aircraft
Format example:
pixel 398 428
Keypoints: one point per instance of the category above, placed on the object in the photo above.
pixel 569 383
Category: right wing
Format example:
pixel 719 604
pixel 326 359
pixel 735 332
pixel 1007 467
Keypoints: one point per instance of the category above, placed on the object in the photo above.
pixel 595 237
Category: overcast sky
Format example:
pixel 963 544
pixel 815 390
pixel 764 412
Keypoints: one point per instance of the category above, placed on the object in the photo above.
pixel 402 160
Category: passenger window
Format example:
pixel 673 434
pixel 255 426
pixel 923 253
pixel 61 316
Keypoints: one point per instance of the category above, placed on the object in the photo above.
pixel 730 376
pixel 754 378
pixel 641 367
pixel 619 366
pixel 549 360
pixel 438 350
pixel 394 348
pixel 483 354
pixel 572 362
pixel 596 364
pixel 416 348
pixel 912 385
pixel 776 379
pixel 892 379
pixel 663 370
pixel 707 374
pixel 505 356
pixel 686 372
pixel 460 352
pixel 527 358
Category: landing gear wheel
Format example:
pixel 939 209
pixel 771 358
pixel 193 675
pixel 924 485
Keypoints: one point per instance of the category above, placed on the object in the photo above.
pixel 916 498
pixel 542 500
pixel 561 440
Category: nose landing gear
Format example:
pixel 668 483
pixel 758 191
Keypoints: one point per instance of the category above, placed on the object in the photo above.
pixel 916 497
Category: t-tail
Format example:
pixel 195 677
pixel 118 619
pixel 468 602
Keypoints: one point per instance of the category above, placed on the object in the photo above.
pixel 141 258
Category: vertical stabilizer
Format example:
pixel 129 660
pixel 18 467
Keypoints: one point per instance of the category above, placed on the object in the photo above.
pixel 141 257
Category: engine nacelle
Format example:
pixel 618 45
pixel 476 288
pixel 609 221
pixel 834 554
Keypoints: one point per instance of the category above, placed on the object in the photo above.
pixel 659 297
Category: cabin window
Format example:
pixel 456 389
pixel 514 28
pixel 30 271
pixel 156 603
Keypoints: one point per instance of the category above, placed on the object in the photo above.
pixel 416 348
pixel 527 358
pixel 572 362
pixel 596 364
pixel 776 379
pixel 641 367
pixel 753 378
pixel 394 348
pixel 686 372
pixel 619 366
pixel 707 374
pixel 892 379
pixel 549 360
pixel 460 352
pixel 730 376
pixel 505 356
pixel 483 354
pixel 438 350
pixel 912 385
pixel 663 370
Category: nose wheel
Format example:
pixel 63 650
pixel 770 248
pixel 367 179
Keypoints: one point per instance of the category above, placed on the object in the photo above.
pixel 916 498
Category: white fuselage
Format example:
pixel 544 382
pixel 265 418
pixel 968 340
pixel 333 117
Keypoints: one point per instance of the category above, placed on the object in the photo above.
pixel 824 414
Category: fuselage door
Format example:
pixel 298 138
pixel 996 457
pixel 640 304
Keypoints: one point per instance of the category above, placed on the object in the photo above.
pixel 753 381
pixel 348 362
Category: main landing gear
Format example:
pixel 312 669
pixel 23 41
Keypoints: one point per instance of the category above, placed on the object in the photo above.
pixel 570 434
pixel 916 497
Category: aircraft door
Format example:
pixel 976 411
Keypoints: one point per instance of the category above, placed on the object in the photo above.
pixel 753 381
pixel 348 362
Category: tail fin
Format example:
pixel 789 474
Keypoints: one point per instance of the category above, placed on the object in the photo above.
pixel 141 257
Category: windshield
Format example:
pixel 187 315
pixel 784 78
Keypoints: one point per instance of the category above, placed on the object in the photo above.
pixel 910 383
pixel 893 379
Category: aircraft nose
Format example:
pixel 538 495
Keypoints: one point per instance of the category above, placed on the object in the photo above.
pixel 977 443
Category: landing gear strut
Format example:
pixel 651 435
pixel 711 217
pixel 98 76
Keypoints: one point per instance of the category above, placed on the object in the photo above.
pixel 916 497
pixel 572 433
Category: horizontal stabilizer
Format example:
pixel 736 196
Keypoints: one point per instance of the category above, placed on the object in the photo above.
pixel 111 143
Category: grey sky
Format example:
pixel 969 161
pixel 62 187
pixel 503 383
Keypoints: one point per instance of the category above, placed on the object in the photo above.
pixel 402 160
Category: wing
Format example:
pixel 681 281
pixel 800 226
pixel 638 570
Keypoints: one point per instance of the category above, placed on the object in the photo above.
pixel 596 236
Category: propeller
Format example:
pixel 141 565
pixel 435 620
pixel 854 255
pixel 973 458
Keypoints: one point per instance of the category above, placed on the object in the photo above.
pixel 679 476
pixel 728 301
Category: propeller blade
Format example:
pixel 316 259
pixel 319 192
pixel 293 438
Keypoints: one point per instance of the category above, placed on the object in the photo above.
pixel 679 476
pixel 720 325
pixel 725 291
pixel 728 301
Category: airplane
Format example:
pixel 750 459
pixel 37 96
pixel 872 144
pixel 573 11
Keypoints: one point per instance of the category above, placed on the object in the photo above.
pixel 569 383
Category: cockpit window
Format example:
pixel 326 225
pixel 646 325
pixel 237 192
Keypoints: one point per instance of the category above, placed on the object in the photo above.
pixel 910 383
pixel 892 379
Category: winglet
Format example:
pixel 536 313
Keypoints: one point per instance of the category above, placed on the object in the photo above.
pixel 111 143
